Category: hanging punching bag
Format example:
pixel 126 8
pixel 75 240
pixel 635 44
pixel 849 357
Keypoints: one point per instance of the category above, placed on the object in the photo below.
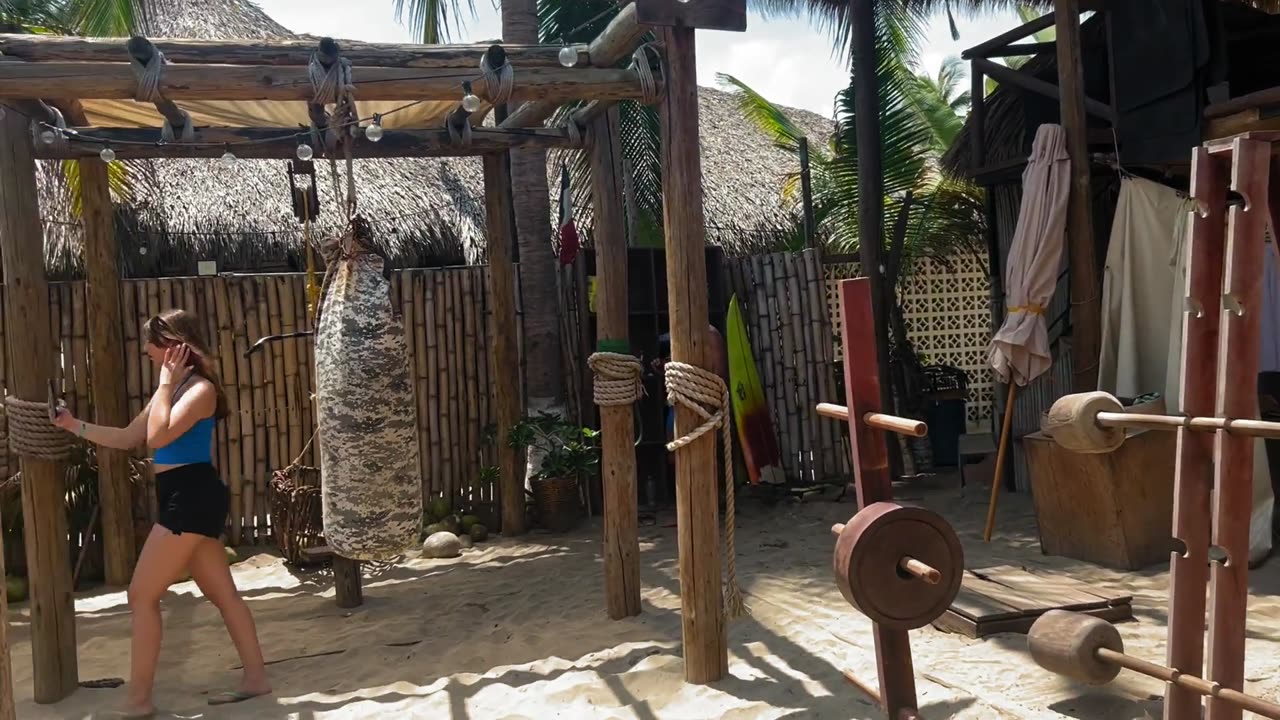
pixel 366 412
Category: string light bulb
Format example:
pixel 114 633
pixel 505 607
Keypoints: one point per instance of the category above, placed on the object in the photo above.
pixel 107 154
pixel 568 56
pixel 228 159
pixel 470 102
pixel 373 133
pixel 305 152
pixel 47 137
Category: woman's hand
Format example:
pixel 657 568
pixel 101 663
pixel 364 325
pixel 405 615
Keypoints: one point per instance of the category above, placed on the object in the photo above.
pixel 66 421
pixel 174 370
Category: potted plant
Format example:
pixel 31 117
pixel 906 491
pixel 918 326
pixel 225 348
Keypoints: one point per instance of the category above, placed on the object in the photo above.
pixel 571 454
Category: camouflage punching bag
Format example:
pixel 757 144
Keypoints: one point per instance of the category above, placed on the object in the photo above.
pixel 366 411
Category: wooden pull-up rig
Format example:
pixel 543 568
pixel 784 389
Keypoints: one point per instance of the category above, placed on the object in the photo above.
pixel 52 85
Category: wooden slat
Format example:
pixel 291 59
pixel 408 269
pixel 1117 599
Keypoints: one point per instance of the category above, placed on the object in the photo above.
pixel 1061 591
pixel 257 373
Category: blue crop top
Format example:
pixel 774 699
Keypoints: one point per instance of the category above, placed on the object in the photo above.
pixel 191 447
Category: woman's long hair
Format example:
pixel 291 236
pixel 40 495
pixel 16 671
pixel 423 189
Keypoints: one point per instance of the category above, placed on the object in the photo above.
pixel 178 327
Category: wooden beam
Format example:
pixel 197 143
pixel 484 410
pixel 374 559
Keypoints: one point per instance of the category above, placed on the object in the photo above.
pixel 806 196
pixel 697 506
pixel 31 364
pixel 618 40
pixel 278 143
pixel 50 48
pixel 1086 292
pixel 115 81
pixel 1025 81
pixel 106 363
pixel 1022 50
pixel 730 15
pixel 621 533
pixel 1027 29
pixel 505 357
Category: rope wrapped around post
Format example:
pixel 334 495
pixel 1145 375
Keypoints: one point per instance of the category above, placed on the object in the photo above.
pixel 499 81
pixel 617 378
pixel 707 394
pixel 640 62
pixel 31 435
pixel 148 76
pixel 59 141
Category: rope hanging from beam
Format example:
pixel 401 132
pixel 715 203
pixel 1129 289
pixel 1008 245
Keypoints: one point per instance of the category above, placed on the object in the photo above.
pixel 642 65
pixel 707 395
pixel 149 76
pixel 31 435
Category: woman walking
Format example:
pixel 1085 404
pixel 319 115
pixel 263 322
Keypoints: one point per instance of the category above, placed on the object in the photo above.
pixel 178 424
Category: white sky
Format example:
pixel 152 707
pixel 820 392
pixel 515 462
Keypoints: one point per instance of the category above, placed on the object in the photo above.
pixel 787 61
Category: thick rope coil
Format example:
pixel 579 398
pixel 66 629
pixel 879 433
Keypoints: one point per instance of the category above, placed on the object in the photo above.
pixel 497 83
pixel 576 132
pixel 617 378
pixel 188 129
pixel 707 394
pixel 644 70
pixel 148 77
pixel 459 135
pixel 31 434
pixel 329 85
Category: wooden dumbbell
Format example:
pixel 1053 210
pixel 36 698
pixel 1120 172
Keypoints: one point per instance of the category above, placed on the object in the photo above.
pixel 1095 422
pixel 1090 650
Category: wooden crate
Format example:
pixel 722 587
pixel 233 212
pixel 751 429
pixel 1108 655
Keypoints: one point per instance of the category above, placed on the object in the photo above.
pixel 1114 509
pixel 1007 599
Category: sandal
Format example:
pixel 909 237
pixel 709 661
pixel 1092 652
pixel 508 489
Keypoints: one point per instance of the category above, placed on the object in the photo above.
pixel 229 697
pixel 123 715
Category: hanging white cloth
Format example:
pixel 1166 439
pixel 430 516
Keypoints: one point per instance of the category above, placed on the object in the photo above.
pixel 1136 286
pixel 1263 497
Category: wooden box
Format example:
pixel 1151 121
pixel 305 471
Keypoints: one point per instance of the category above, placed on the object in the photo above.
pixel 1113 509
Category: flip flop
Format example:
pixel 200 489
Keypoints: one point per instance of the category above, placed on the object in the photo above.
pixel 123 715
pixel 229 697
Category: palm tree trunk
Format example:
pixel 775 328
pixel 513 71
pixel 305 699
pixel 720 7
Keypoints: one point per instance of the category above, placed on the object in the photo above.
pixel 544 383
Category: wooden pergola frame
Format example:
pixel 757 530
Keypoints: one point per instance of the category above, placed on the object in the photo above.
pixel 39 74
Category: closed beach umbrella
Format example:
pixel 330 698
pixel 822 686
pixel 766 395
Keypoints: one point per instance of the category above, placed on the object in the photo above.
pixel 1020 350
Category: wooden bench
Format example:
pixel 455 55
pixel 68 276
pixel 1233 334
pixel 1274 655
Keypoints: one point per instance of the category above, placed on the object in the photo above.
pixel 347 588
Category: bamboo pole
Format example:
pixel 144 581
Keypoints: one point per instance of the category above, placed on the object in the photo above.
pixel 273 143
pixel 243 391
pixel 702 614
pixel 53 632
pixel 257 373
pixel 506 354
pixel 430 282
pixel 107 366
pixel 471 362
pixel 233 472
pixel 621 533
pixel 115 81
pixel 1002 451
pixel 293 394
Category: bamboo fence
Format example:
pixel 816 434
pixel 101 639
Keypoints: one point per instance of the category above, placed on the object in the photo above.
pixel 272 414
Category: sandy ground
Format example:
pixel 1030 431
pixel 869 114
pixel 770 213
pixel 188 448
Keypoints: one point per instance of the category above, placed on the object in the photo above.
pixel 518 630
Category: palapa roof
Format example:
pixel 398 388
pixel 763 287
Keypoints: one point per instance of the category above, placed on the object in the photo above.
pixel 423 209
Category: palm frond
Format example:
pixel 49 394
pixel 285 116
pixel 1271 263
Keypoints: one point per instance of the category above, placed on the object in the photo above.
pixel 433 21
pixel 107 18
pixel 766 116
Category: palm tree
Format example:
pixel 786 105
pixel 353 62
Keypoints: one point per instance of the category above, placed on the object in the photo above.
pixel 939 100
pixel 433 20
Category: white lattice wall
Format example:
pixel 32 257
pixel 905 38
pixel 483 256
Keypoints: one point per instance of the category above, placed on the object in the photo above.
pixel 948 315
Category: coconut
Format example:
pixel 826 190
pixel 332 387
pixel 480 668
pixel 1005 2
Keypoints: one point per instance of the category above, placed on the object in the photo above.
pixel 438 509
pixel 434 528
pixel 442 545
pixel 15 589
pixel 467 542
pixel 479 533
pixel 451 524
pixel 468 521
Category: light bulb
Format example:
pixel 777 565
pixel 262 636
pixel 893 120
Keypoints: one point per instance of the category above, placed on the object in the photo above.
pixel 47 137
pixel 373 132
pixel 107 155
pixel 568 56
pixel 142 250
pixel 305 152
pixel 470 102
pixel 228 159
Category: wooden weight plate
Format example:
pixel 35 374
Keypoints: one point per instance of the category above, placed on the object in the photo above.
pixel 869 550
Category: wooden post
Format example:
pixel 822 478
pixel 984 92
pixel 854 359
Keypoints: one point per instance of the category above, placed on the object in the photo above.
pixel 505 358
pixel 621 538
pixel 347 589
pixel 806 195
pixel 1086 295
pixel 706 656
pixel 31 364
pixel 106 368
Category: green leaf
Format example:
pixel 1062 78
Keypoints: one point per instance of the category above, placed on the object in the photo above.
pixel 433 20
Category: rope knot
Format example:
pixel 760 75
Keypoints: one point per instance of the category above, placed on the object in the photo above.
pixel 148 76
pixel 617 378
pixel 30 432
pixel 707 395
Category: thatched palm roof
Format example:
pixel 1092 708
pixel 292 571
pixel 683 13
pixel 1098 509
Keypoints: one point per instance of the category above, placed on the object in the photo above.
pixel 182 211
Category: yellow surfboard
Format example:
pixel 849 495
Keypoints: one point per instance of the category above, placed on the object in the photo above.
pixel 751 414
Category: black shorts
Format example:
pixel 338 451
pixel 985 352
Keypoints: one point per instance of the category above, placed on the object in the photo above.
pixel 192 498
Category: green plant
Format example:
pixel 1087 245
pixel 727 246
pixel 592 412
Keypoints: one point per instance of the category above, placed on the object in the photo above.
pixel 569 450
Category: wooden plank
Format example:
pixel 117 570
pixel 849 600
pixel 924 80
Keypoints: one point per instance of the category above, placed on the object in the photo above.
pixel 971 602
pixel 955 623
pixel 730 15
pixel 1055 590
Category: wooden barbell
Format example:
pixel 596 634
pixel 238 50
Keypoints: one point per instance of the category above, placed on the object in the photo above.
pixel 1095 422
pixel 1090 650
pixel 879 421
